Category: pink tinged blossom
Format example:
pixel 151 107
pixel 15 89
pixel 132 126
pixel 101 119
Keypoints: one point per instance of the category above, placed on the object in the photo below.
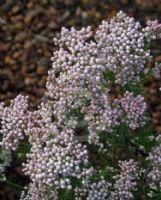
pixel 126 181
pixel 154 175
pixel 133 110
pixel 14 122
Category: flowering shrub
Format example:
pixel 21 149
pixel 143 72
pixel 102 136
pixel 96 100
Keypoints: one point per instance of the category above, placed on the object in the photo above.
pixel 85 144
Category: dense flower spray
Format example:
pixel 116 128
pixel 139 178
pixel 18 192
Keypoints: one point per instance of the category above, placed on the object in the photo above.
pixel 77 135
pixel 154 174
pixel 14 122
pixel 125 181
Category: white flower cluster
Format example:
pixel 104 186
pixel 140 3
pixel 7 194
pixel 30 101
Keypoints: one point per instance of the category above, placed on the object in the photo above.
pixel 75 83
pixel 56 161
pixel 93 190
pixel 33 192
pixel 39 126
pixel 13 122
pixel 154 175
pixel 133 110
pixel 152 31
pixel 126 181
pixel 121 48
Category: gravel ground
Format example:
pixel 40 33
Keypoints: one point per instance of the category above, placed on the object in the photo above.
pixel 26 31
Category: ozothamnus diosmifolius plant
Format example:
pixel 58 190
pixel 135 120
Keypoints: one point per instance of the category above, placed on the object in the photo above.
pixel 85 144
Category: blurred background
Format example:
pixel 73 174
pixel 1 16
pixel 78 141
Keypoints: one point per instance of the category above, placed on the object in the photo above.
pixel 26 31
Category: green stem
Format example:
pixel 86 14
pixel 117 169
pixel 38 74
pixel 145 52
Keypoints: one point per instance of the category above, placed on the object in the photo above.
pixel 136 147
pixel 14 185
pixel 113 150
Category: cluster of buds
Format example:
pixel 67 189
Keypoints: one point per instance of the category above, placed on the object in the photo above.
pixel 71 73
pixel 152 31
pixel 75 82
pixel 133 110
pixel 55 162
pixel 34 192
pixel 14 122
pixel 93 190
pixel 40 126
pixel 100 116
pixel 77 79
pixel 125 181
pixel 121 45
pixel 154 175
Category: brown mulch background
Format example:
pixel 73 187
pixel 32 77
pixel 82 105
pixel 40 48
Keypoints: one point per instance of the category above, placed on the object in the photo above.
pixel 26 31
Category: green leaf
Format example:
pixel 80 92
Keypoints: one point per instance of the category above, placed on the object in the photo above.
pixel 109 75
pixel 23 149
pixel 147 45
